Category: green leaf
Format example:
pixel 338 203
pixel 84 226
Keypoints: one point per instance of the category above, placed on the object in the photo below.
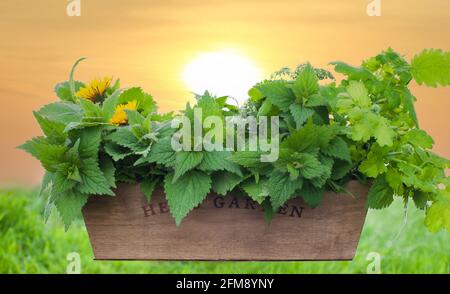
pixel 278 93
pixel 374 163
pixel 338 148
pixel 432 68
pixel 438 215
pixel 162 153
pixel 116 151
pixel 90 139
pixel 306 83
pixel 185 161
pixel 48 154
pixel 146 104
pixel 311 194
pixel 418 138
pixel 109 170
pixel 123 136
pixel 246 158
pixel 52 129
pixel 147 188
pixel 109 105
pixel 62 90
pixel 69 206
pixel 380 194
pixel 309 166
pixel 224 182
pixel 62 112
pixel 218 160
pixel 281 188
pixel 186 193
pixel 93 180
pixel 353 73
pixel 258 191
pixel 300 114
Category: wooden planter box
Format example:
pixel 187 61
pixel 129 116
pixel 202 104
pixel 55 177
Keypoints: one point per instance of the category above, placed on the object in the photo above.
pixel 125 227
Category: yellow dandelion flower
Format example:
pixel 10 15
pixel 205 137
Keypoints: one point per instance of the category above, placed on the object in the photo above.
pixel 95 90
pixel 120 116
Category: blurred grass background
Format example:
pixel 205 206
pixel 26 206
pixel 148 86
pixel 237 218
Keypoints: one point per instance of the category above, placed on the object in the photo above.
pixel 27 245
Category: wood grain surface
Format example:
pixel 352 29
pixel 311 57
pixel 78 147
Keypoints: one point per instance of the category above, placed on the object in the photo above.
pixel 125 227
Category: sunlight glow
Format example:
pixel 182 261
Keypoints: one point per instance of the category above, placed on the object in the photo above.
pixel 223 73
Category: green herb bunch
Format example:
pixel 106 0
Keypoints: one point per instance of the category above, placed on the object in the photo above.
pixel 363 127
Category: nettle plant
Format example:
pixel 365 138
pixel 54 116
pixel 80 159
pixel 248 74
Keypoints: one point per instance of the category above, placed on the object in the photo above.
pixel 363 127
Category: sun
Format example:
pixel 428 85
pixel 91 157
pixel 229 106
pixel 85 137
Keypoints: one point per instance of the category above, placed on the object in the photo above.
pixel 226 72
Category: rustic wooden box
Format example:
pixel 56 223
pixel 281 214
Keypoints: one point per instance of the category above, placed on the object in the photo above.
pixel 125 227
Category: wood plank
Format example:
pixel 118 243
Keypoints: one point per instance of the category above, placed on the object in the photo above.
pixel 125 227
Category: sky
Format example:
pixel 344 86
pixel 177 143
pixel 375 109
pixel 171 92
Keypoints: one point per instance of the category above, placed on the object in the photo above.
pixel 149 43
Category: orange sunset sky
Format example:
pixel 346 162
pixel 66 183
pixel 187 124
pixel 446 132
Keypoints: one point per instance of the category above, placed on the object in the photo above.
pixel 148 43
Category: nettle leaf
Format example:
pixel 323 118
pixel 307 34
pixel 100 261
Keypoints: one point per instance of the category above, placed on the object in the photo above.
pixel 124 137
pixel 187 193
pixel 300 114
pixel 185 161
pixel 52 129
pixel 258 191
pixel 438 215
pixel 306 83
pixel 218 160
pixel 62 112
pixel 309 166
pixel 311 194
pixel 148 187
pixel 338 148
pixel 109 170
pixel 146 104
pixel 90 142
pixel 224 182
pixel 49 155
pixel 247 159
pixel 380 194
pixel 432 68
pixel 282 188
pixel 116 151
pixel 353 73
pixel 69 206
pixel 278 93
pixel 162 153
pixel 93 180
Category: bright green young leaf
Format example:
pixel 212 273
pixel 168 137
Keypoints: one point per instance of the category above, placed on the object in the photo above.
pixel 432 68
pixel 186 193
pixel 438 215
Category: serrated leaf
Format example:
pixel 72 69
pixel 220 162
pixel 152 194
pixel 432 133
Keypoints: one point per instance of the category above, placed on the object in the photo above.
pixel 147 188
pixel 374 164
pixel 281 188
pixel 69 206
pixel 432 68
pixel 380 194
pixel 224 182
pixel 63 91
pixel 258 191
pixel 300 114
pixel 418 138
pixel 218 160
pixel 311 194
pixel 52 129
pixel 146 104
pixel 185 161
pixel 116 151
pixel 246 158
pixel 93 180
pixel 109 105
pixel 278 93
pixel 306 83
pixel 186 193
pixel 338 148
pixel 162 153
pixel 438 215
pixel 109 170
pixel 90 139
pixel 62 112
pixel 48 154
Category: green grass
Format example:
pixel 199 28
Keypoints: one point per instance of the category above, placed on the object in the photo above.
pixel 27 245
